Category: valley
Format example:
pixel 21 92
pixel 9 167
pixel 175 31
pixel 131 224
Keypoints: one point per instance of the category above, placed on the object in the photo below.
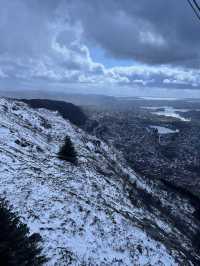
pixel 120 204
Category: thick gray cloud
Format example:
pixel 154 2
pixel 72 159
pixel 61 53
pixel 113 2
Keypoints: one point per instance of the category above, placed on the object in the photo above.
pixel 48 42
pixel 157 31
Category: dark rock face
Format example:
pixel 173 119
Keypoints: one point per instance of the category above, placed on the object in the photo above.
pixel 68 110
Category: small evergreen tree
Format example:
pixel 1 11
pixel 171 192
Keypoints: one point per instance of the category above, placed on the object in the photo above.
pixel 67 151
pixel 17 247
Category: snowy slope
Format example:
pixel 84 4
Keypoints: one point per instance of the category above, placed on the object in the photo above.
pixel 83 212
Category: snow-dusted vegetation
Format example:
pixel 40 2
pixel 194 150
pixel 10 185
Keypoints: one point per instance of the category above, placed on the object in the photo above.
pixel 92 213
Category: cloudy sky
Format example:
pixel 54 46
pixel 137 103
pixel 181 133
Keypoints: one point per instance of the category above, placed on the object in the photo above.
pixel 100 46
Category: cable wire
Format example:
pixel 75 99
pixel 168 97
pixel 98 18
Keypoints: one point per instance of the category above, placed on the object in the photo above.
pixel 195 7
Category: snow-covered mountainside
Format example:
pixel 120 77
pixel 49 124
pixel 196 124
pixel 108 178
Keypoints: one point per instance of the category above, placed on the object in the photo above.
pixel 90 214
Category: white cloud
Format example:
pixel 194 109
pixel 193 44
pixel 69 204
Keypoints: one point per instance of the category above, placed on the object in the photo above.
pixel 2 74
pixel 47 44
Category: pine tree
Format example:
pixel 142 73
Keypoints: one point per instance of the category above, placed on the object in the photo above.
pixel 17 247
pixel 67 151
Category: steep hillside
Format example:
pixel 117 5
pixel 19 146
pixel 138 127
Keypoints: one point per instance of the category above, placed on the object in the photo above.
pixel 97 212
pixel 68 110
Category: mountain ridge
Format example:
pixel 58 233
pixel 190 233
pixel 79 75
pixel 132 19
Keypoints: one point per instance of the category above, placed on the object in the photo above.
pixel 90 214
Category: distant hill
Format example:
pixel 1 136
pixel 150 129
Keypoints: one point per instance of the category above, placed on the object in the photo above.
pixel 68 110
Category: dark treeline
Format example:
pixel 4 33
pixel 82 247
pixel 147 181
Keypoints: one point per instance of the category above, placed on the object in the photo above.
pixel 17 246
pixel 68 110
